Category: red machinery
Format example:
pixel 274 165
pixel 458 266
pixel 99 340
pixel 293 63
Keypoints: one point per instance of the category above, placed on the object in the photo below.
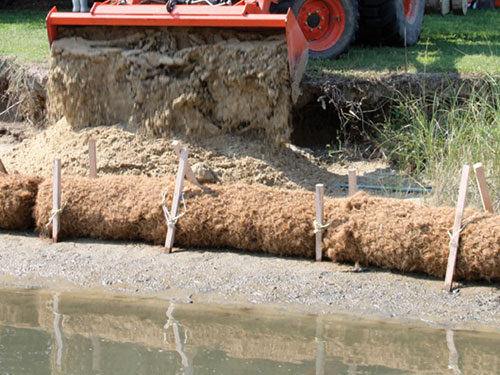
pixel 246 14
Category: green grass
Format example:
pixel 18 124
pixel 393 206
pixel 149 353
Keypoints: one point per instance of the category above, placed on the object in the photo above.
pixel 23 35
pixel 469 44
pixel 432 140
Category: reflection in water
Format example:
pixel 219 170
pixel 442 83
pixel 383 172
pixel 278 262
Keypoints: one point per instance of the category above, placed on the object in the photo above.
pixel 96 354
pixel 179 345
pixel 320 355
pixel 58 330
pixel 453 358
pixel 43 333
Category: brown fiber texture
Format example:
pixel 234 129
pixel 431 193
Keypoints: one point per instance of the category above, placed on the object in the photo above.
pixel 383 232
pixel 17 198
pixel 401 235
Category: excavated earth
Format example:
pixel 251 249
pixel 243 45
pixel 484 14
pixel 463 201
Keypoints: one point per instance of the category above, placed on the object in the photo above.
pixel 185 80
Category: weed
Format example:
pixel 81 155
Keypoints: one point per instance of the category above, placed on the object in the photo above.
pixel 433 139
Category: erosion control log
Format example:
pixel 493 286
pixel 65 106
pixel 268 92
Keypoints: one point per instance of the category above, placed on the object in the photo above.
pixel 17 198
pixel 388 233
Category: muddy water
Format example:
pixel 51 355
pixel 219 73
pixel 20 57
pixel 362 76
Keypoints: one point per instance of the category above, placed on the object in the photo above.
pixel 60 333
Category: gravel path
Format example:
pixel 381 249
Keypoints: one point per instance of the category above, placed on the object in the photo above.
pixel 242 279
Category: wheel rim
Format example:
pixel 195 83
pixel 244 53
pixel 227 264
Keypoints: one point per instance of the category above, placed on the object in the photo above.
pixel 322 22
pixel 410 6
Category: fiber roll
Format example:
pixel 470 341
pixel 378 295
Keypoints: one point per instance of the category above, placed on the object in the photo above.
pixel 17 198
pixel 249 217
pixel 401 235
pixel 388 233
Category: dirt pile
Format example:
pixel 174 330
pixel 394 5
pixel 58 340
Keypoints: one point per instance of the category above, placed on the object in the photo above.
pixel 17 199
pixel 235 159
pixel 377 231
pixel 184 80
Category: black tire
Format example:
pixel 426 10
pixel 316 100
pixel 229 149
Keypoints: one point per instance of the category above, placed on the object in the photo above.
pixel 383 22
pixel 346 38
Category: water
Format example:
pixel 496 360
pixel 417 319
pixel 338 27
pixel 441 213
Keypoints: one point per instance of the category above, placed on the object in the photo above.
pixel 57 333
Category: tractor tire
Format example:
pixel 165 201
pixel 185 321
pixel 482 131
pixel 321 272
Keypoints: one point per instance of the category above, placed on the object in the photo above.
pixel 390 22
pixel 330 26
pixel 459 7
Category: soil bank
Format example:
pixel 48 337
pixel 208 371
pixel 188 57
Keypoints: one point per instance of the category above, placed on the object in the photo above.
pixel 241 279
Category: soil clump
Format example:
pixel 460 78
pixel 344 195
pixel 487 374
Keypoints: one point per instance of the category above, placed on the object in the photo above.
pixel 181 80
pixel 234 159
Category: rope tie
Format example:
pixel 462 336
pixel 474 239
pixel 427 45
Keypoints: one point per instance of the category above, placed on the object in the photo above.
pixel 54 213
pixel 320 228
pixel 453 238
pixel 172 221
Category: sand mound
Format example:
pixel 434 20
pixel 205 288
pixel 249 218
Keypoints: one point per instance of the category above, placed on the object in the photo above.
pixel 17 199
pixel 235 159
pixel 184 80
pixel 378 231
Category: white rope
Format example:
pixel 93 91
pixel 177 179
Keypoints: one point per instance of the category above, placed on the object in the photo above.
pixel 320 228
pixel 54 213
pixel 172 221
pixel 453 238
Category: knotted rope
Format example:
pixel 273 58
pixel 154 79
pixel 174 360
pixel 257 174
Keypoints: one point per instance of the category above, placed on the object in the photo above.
pixel 54 213
pixel 453 238
pixel 172 220
pixel 320 228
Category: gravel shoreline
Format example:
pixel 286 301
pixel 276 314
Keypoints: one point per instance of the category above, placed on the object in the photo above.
pixel 240 279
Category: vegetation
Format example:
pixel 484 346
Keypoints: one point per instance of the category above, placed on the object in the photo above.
pixel 468 44
pixel 23 35
pixel 432 140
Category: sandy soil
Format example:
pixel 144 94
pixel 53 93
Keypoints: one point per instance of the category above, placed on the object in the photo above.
pixel 233 158
pixel 188 80
pixel 237 278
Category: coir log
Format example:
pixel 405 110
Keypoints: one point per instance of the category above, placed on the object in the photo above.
pixel 17 199
pixel 388 233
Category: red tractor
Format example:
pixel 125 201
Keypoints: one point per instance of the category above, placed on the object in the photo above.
pixel 330 26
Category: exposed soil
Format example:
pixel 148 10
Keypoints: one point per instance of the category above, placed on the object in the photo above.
pixel 22 92
pixel 184 80
pixel 233 158
pixel 238 278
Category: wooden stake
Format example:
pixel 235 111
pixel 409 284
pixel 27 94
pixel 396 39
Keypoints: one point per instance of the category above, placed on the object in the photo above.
pixel 2 168
pixel 459 213
pixel 92 158
pixel 320 190
pixel 179 183
pixel 56 199
pixel 352 181
pixel 189 172
pixel 483 188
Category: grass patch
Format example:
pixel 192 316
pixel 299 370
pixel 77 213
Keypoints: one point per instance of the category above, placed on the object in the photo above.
pixel 23 35
pixel 469 44
pixel 432 140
